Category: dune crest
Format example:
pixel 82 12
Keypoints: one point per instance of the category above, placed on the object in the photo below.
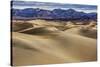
pixel 45 42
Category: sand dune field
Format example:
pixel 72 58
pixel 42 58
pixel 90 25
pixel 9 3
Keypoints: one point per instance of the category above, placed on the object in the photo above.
pixel 50 42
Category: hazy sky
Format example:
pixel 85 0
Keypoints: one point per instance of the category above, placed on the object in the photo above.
pixel 91 2
pixel 50 6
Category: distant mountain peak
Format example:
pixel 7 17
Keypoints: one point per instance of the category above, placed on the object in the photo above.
pixel 71 10
pixel 58 14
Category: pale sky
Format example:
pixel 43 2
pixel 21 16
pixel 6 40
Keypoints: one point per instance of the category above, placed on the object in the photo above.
pixel 50 7
pixel 90 2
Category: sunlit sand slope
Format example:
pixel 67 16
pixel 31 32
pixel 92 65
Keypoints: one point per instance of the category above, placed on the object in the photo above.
pixel 52 47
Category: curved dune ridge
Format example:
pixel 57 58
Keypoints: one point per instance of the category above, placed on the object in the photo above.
pixel 82 31
pixel 17 26
pixel 44 44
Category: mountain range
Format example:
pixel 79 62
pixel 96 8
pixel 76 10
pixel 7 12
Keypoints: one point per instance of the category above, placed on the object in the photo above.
pixel 55 14
pixel 51 5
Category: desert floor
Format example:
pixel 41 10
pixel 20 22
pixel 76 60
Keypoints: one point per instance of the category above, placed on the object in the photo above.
pixel 38 42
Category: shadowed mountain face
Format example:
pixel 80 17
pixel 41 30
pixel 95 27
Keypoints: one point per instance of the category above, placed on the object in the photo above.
pixel 57 14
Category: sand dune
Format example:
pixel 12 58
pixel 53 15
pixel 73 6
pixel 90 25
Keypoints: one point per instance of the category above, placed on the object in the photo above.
pixel 57 47
pixel 83 31
pixel 43 44
pixel 17 26
pixel 39 30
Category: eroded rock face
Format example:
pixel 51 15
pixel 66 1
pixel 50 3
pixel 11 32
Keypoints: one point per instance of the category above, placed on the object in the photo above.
pixel 17 26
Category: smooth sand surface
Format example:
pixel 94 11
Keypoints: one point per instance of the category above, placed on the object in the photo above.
pixel 49 45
